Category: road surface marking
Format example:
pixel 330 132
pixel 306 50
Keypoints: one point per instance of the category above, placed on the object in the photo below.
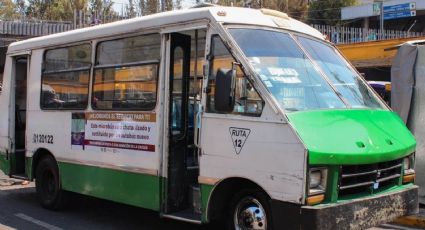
pixel 37 222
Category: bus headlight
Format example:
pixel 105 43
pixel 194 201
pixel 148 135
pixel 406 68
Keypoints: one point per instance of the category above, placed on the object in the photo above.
pixel 317 181
pixel 408 169
pixel 317 178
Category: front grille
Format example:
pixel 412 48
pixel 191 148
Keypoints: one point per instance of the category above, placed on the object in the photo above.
pixel 356 179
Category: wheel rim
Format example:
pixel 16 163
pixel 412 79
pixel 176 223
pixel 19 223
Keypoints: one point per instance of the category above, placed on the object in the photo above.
pixel 249 214
pixel 49 184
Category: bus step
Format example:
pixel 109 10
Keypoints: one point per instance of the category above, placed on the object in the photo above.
pixel 20 176
pixel 195 198
pixel 186 216
pixel 192 167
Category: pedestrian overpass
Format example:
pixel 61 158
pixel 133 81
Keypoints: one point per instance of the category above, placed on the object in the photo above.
pixel 11 31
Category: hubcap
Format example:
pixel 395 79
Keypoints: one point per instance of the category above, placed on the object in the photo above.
pixel 250 214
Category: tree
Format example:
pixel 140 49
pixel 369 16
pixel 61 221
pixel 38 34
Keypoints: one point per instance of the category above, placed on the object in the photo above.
pixel 79 4
pixel 131 9
pixel 101 10
pixel 327 11
pixel 148 6
pixel 101 7
pixel 57 10
pixel 20 8
pixel 8 10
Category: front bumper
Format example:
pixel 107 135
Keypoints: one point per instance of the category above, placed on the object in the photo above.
pixel 358 213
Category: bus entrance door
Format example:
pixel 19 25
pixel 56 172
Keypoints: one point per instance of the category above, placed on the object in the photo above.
pixel 18 114
pixel 181 137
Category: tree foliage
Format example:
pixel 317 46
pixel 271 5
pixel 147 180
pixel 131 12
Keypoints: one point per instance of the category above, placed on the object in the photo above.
pixel 58 10
pixel 101 7
pixel 147 7
pixel 131 9
pixel 8 10
pixel 327 11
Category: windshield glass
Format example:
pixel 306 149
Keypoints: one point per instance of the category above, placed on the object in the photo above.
pixel 292 78
pixel 341 75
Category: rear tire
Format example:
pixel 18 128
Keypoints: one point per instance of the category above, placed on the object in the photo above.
pixel 48 186
pixel 249 210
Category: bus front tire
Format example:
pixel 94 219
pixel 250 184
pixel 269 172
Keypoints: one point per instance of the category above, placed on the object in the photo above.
pixel 249 209
pixel 47 184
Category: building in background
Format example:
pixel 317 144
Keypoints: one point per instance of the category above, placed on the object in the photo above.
pixel 400 15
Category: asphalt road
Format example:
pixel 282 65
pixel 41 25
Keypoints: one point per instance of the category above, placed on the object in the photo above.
pixel 19 209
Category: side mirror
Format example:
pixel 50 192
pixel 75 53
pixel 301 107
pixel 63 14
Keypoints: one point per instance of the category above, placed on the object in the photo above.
pixel 224 92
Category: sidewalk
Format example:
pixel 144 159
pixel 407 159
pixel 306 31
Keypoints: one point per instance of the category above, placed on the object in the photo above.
pixel 7 183
pixel 415 221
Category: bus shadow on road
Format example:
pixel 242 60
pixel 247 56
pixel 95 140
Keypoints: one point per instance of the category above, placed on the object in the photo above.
pixel 110 214
pixel 84 212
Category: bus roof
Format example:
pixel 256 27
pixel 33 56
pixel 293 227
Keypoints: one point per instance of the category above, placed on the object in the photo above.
pixel 220 14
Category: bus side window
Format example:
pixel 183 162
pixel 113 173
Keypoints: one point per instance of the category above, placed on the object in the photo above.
pixel 65 77
pixel 126 73
pixel 247 101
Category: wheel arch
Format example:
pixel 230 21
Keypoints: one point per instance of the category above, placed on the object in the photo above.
pixel 223 192
pixel 37 156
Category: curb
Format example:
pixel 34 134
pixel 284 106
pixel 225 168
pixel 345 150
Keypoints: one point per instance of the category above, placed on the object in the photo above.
pixel 411 221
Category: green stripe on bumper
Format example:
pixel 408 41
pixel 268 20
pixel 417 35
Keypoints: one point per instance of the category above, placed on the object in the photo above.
pixel 125 187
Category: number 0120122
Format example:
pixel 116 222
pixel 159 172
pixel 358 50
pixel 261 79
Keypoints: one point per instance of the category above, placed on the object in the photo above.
pixel 42 138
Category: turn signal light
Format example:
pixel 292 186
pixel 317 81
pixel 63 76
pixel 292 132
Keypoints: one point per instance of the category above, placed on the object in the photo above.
pixel 408 178
pixel 312 200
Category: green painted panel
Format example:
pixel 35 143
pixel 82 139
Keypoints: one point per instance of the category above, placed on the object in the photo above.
pixel 4 164
pixel 205 196
pixel 332 186
pixel 125 187
pixel 335 137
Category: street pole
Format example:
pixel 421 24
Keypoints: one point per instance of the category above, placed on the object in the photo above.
pixel 382 20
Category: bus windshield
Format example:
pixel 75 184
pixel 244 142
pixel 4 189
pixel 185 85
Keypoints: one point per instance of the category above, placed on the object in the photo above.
pixel 318 79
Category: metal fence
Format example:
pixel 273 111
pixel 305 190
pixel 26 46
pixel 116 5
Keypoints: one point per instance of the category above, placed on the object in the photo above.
pixel 33 29
pixel 338 35
pixel 345 35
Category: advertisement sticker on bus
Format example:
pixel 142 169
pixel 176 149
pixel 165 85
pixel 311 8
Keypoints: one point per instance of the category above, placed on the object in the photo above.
pixel 111 131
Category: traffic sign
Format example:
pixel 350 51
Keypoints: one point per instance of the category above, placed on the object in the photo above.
pixel 400 11
pixel 399 14
pixel 400 7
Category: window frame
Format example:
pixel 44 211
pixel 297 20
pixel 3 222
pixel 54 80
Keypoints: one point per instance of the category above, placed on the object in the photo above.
pixel 129 64
pixel 210 58
pixel 89 69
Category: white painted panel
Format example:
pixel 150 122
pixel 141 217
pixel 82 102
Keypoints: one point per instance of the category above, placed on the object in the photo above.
pixel 272 155
pixel 4 105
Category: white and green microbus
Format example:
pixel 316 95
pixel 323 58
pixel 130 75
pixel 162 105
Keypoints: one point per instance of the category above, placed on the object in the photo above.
pixel 214 113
